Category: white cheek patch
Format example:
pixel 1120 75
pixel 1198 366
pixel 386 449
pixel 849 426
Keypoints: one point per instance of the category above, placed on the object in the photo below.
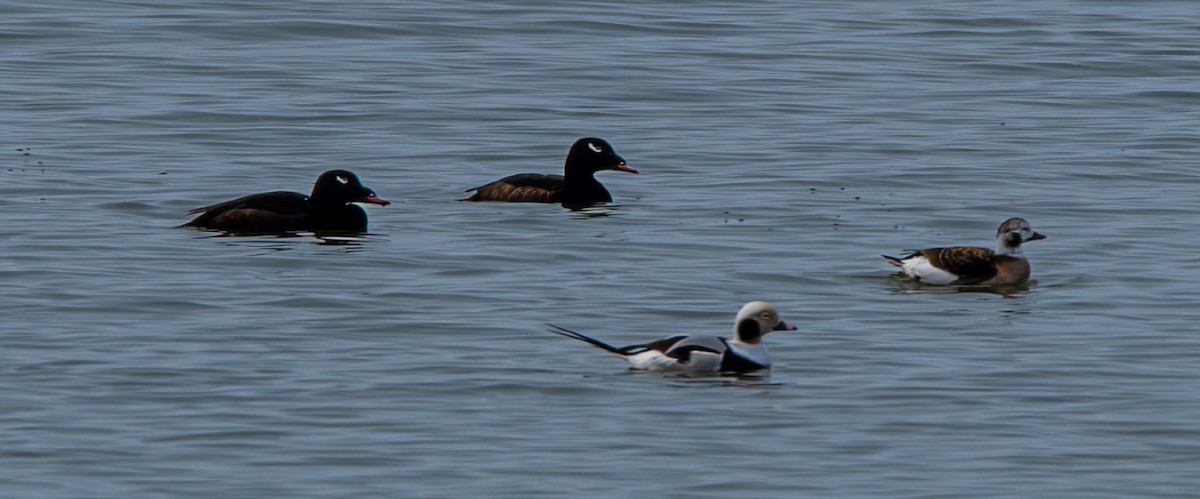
pixel 342 180
pixel 594 148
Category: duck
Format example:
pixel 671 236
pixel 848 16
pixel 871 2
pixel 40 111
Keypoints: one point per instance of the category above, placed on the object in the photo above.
pixel 327 208
pixel 970 265
pixel 745 352
pixel 576 186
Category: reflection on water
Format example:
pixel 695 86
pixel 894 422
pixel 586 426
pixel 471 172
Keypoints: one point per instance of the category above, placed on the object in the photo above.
pixel 285 241
pixel 593 210
pixel 759 378
pixel 906 285
pixel 758 382
pixel 339 240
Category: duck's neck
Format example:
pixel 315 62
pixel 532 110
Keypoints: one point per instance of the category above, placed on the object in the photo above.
pixel 339 217
pixel 581 178
pixel 582 187
pixel 756 352
pixel 1002 248
pixel 324 203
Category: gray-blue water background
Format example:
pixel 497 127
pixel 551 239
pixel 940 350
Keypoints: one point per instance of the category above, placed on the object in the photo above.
pixel 783 147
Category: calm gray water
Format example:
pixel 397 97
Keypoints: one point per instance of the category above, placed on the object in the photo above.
pixel 783 147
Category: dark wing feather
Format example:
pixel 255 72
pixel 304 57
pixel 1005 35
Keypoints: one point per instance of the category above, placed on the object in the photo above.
pixel 971 264
pixel 662 345
pixel 682 350
pixel 277 201
pixel 523 187
pixel 246 211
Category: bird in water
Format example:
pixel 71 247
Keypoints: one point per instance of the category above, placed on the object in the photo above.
pixel 970 265
pixel 576 186
pixel 697 353
pixel 329 207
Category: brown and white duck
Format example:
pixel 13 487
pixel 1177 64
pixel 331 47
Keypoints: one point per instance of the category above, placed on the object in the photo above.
pixel 968 265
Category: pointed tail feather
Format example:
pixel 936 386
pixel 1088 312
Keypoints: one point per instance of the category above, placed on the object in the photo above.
pixel 561 331
pixel 899 262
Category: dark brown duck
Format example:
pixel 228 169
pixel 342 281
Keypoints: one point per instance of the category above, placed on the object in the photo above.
pixel 576 186
pixel 327 208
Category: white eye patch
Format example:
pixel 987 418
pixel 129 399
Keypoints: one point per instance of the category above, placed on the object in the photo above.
pixel 342 180
pixel 594 148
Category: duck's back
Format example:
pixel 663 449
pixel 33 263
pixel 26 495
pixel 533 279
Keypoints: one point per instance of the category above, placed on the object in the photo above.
pixel 969 264
pixel 522 187
pixel 281 210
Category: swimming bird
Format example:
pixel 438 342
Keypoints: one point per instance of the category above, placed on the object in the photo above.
pixel 967 265
pixel 694 353
pixel 576 186
pixel 327 208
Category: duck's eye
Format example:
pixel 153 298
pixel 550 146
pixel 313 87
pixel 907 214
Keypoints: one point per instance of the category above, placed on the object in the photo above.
pixel 594 148
pixel 766 316
pixel 342 180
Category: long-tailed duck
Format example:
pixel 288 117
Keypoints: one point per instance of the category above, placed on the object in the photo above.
pixel 966 265
pixel 694 353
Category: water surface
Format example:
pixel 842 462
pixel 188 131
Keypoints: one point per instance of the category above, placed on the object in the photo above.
pixel 783 147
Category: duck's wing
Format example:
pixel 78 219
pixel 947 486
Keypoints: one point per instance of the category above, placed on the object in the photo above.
pixel 277 201
pixel 526 187
pixel 683 349
pixel 249 210
pixel 971 264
